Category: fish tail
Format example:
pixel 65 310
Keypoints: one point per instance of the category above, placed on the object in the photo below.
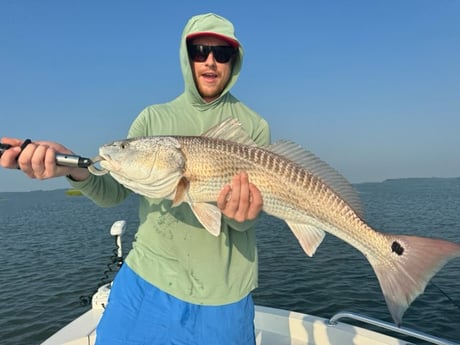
pixel 413 261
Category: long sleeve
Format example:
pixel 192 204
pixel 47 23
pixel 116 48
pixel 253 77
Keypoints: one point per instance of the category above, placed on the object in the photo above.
pixel 102 190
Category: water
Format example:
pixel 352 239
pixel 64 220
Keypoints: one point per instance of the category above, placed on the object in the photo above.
pixel 54 249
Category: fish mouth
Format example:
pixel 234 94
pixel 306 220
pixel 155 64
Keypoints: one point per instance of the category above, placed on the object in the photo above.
pixel 94 169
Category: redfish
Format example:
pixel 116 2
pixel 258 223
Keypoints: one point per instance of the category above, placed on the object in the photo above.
pixel 296 186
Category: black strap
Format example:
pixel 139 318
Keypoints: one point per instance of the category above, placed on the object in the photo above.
pixel 23 146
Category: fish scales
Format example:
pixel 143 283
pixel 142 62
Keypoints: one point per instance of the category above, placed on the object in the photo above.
pixel 284 184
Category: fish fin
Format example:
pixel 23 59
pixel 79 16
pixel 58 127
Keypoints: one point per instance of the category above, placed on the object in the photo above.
pixel 230 129
pixel 181 192
pixel 209 216
pixel 414 261
pixel 321 169
pixel 309 236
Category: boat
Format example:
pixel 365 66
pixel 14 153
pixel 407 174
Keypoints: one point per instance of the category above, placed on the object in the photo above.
pixel 272 326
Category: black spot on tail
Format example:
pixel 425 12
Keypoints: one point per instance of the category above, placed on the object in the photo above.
pixel 397 248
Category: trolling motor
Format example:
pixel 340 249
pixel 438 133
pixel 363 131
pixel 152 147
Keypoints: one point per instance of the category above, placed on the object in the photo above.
pixel 118 229
pixel 100 297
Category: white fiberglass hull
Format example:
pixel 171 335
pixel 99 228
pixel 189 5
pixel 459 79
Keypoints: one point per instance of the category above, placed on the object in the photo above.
pixel 272 326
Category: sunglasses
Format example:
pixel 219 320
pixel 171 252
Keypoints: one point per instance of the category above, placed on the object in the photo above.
pixel 200 53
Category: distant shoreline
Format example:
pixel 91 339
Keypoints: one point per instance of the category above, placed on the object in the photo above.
pixel 391 180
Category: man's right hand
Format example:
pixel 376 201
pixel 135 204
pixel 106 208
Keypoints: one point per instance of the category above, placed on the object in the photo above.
pixel 38 160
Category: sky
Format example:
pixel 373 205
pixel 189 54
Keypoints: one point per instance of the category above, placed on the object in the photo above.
pixel 371 87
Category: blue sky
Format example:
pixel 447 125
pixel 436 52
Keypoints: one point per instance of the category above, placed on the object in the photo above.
pixel 372 87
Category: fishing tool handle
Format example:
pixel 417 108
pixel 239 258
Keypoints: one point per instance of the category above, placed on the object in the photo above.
pixel 62 159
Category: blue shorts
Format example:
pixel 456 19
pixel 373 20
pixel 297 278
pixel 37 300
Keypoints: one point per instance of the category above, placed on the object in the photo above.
pixel 138 313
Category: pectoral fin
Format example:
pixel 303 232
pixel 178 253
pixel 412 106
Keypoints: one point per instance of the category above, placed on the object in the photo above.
pixel 209 216
pixel 309 237
pixel 181 192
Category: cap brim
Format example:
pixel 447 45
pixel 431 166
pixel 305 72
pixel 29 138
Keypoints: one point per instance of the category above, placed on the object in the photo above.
pixel 234 43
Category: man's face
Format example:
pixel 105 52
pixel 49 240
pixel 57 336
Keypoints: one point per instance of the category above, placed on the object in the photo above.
pixel 210 76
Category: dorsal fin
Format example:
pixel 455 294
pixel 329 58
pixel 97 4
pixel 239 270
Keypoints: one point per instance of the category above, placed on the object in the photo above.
pixel 321 169
pixel 230 129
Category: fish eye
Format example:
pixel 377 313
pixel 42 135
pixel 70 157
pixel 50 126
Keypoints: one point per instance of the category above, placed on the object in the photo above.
pixel 123 145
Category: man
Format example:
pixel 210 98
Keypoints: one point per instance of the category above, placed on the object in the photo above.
pixel 179 284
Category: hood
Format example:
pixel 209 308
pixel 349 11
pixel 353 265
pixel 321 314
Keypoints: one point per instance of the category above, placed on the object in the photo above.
pixel 219 26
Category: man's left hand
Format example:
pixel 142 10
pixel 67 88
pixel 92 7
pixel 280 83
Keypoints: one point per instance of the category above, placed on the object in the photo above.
pixel 241 200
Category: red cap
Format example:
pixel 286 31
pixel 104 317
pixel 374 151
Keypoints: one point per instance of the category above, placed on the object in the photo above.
pixel 234 43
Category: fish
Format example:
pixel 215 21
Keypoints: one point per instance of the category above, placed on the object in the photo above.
pixel 297 186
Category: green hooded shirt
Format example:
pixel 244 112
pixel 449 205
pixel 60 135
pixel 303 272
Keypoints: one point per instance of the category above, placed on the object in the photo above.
pixel 172 250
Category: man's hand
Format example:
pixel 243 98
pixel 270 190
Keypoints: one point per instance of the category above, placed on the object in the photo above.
pixel 38 160
pixel 241 200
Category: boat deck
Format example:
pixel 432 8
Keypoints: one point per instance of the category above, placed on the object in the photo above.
pixel 272 327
